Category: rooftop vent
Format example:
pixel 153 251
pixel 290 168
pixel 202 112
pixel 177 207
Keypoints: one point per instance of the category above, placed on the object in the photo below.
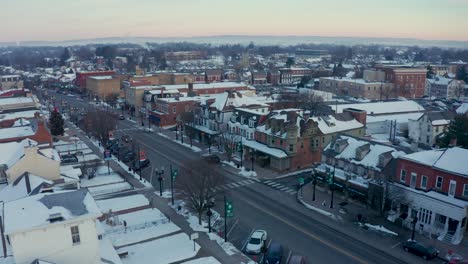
pixel 56 217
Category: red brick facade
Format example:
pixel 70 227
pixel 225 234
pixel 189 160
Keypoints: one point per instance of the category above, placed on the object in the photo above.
pixel 165 112
pixel 408 82
pixel 432 174
pixel 80 80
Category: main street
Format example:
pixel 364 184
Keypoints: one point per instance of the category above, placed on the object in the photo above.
pixel 258 206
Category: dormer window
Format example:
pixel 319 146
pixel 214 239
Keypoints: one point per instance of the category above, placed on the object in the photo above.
pixel 251 123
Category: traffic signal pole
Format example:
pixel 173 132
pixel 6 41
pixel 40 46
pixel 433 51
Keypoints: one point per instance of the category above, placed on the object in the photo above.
pixel 225 219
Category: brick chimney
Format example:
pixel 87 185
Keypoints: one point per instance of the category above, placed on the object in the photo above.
pixel 359 115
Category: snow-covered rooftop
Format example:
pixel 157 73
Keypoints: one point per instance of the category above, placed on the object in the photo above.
pixel 463 109
pixel 329 124
pixel 11 152
pixel 16 100
pixel 35 211
pixel 383 107
pixel 235 100
pixel 17 189
pixel 452 160
pixel 14 132
pixel 279 153
pixel 107 77
pixel 206 85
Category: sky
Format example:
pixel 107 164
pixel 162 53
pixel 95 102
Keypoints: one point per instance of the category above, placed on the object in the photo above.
pixel 54 20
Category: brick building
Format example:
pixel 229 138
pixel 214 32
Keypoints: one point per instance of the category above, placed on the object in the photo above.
pixel 408 82
pixel 273 77
pixel 80 80
pixel 10 82
pixel 185 55
pixel 213 76
pixel 102 87
pixel 165 111
pixel 432 186
pixel 293 75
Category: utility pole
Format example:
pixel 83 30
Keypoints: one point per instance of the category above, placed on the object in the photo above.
pixel 332 185
pixel 225 219
pixel 241 149
pixel 172 184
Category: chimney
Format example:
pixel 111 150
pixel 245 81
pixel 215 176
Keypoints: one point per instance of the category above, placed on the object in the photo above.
pixel 190 87
pixel 359 115
pixel 28 182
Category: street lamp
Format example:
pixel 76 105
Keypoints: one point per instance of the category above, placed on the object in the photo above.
pixel 252 154
pixel 209 213
pixel 314 183
pixel 160 173
pixel 415 220
pixel 332 186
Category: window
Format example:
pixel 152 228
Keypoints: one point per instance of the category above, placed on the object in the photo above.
pixel 452 187
pixel 465 190
pixel 439 182
pixel 281 142
pixel 272 141
pixel 291 147
pixel 174 109
pixel 75 233
pixel 403 176
pixel 424 182
pixel 428 128
pixel 414 176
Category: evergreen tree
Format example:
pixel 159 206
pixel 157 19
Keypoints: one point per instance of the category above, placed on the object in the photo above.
pixel 458 130
pixel 290 62
pixel 65 56
pixel 56 123
pixel 462 74
pixel 430 72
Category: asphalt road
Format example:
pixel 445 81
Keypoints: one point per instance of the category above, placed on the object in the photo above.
pixel 261 206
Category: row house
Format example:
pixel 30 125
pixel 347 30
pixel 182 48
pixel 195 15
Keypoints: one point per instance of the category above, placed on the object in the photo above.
pixel 359 167
pixel 431 187
pixel 230 75
pixel 244 121
pixel 212 76
pixel 165 112
pixel 290 139
pixel 273 77
pixel 408 82
pixel 293 75
pixel 259 77
pixel 213 115
pixel 441 87
pixel 10 82
pixel 134 92
pixel 426 129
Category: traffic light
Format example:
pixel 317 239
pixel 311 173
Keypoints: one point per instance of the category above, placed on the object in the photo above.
pixel 229 209
pixel 174 174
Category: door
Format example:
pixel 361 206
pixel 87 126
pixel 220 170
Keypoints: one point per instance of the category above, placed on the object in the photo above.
pixel 452 187
pixel 413 180
pixel 452 226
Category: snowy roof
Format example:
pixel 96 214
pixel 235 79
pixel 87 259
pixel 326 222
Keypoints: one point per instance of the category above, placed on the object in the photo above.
pixel 11 152
pixel 279 153
pixel 107 77
pixel 17 189
pixel 73 205
pixel 329 124
pixel 14 132
pixel 383 107
pixel 21 122
pixel 452 160
pixel 235 100
pixel 206 85
pixel 440 80
pixel 463 109
pixel 371 159
pixel 16 100
pixel 50 153
pixel 399 118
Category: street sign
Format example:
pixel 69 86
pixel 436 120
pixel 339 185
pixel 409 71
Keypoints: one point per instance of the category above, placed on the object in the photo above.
pixel 107 155
pixel 301 181
pixel 194 236
pixel 229 209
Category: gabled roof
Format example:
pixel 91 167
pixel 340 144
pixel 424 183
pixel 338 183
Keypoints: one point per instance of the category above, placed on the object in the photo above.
pixel 18 189
pixel 35 211
pixel 451 160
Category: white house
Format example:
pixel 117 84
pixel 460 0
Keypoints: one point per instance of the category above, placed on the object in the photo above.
pixel 55 227
pixel 428 127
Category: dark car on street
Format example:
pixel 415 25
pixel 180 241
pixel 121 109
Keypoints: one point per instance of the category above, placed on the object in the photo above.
pixel 121 117
pixel 274 254
pixel 68 159
pixel 141 165
pixel 212 158
pixel 129 156
pixel 419 249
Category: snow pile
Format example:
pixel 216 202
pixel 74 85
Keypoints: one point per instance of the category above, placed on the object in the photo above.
pixel 247 173
pixel 205 260
pixel 380 228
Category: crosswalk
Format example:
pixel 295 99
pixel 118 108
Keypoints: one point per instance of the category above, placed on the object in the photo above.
pixel 281 187
pixel 233 185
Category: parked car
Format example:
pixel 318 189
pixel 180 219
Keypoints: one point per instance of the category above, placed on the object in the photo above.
pixel 68 159
pixel 296 259
pixel 212 158
pixel 129 156
pixel 419 249
pixel 256 242
pixel 274 254
pixel 121 117
pixel 141 165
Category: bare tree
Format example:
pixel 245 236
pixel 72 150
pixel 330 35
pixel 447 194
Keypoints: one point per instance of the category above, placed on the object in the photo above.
pixel 228 141
pixel 308 101
pixel 458 90
pixel 100 123
pixel 187 119
pixel 196 183
pixel 386 91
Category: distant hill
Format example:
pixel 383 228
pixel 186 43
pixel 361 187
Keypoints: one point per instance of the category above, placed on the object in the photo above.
pixel 258 40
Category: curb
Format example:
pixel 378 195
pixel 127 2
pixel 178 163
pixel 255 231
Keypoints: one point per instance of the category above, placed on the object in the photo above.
pixel 313 208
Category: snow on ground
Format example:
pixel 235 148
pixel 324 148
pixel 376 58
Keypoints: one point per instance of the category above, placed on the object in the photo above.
pixel 107 251
pixel 135 235
pixel 136 176
pixel 122 203
pixel 109 188
pixel 380 228
pixel 193 148
pixel 139 217
pixel 165 250
pixel 206 260
pixel 243 171
pixel 88 157
pixel 165 194
pixel 102 180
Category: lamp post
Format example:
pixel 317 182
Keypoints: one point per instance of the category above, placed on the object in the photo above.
pixel 160 173
pixel 314 183
pixel 415 220
pixel 252 154
pixel 209 213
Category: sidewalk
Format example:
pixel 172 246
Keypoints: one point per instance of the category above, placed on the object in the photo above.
pixel 208 247
pixel 345 212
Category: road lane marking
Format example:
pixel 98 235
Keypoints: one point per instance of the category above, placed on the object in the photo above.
pixel 267 182
pixel 284 189
pixel 304 231
pixel 275 185
pixel 235 185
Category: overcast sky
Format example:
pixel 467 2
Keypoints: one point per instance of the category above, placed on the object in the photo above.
pixel 23 20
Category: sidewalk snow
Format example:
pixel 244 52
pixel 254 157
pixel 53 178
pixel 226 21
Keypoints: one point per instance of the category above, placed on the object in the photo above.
pixel 136 176
pixel 122 203
pixel 380 228
pixel 121 239
pixel 243 171
pixel 313 208
pixel 102 180
pixel 206 260
pixel 165 250
pixel 193 148
pixel 165 194
pixel 109 188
